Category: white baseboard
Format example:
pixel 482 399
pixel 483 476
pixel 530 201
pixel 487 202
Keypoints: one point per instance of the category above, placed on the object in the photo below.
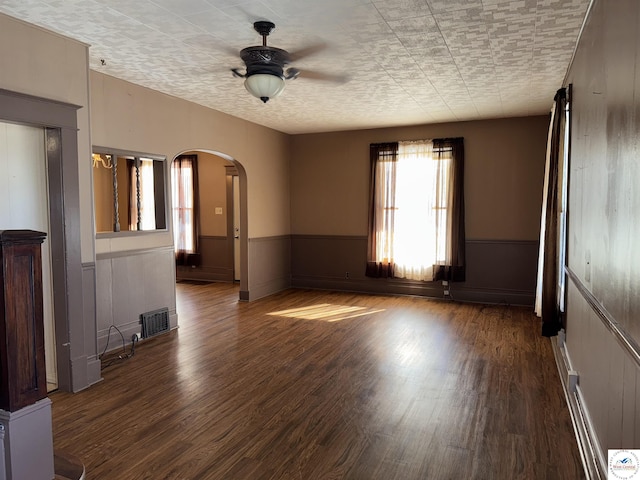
pixel 593 460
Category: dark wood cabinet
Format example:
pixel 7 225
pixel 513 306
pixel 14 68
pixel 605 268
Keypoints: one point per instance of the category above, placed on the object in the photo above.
pixel 22 364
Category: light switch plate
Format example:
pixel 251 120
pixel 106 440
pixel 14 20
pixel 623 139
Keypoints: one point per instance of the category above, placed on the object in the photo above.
pixel 218 210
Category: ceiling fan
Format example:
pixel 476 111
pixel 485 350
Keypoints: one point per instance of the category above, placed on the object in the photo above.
pixel 266 66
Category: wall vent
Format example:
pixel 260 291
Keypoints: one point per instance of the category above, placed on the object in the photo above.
pixel 154 322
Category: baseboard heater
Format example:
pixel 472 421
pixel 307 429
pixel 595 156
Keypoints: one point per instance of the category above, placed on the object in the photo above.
pixel 154 322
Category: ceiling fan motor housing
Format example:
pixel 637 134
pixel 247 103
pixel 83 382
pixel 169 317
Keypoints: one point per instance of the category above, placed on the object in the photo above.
pixel 264 59
pixel 265 75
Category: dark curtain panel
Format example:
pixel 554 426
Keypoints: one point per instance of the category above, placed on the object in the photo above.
pixel 378 153
pixel 551 321
pixel 454 268
pixel 187 192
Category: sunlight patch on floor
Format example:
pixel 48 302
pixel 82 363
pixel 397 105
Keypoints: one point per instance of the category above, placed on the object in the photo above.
pixel 326 312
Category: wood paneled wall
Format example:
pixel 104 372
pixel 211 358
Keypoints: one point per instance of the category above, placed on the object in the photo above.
pixel 125 292
pixel 603 310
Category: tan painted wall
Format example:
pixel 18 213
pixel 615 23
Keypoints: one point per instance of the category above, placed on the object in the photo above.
pixel 36 62
pixel 53 67
pixel 504 168
pixel 130 117
pixel 213 193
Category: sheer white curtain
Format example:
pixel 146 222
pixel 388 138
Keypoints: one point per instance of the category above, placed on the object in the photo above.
pixel 415 242
pixel 145 219
pixel 183 205
pixel 414 198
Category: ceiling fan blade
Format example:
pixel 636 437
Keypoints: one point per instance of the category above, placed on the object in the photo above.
pixel 291 73
pixel 228 50
pixel 296 55
pixel 236 73
pixel 324 77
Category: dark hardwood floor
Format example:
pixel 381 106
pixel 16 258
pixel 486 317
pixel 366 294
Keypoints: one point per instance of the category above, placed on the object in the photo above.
pixel 321 385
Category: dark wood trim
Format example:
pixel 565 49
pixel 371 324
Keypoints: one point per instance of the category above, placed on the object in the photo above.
pixel 617 330
pixel 59 120
pixel 36 111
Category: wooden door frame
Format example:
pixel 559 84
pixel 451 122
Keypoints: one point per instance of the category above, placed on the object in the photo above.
pixel 59 121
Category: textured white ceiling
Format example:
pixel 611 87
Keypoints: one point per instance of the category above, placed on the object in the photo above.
pixel 408 61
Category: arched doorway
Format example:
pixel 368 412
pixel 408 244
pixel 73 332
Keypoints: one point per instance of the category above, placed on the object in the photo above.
pixel 222 238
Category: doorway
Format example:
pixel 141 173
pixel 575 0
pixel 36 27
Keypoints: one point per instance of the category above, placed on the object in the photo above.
pixel 222 241
pixel 24 204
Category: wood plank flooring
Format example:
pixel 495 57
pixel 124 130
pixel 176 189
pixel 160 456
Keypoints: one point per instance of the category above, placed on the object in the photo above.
pixel 322 385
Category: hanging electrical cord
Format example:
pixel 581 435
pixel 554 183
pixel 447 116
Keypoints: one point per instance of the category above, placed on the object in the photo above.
pixel 124 355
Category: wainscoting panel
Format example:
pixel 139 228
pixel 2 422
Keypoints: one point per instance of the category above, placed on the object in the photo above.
pixel 270 266
pixel 217 261
pixel 93 374
pixel 606 360
pixel 498 271
pixel 131 283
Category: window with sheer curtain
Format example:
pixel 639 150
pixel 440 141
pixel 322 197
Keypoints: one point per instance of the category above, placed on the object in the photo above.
pixel 184 191
pixel 416 221
pixel 142 192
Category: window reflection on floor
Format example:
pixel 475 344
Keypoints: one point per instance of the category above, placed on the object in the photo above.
pixel 326 312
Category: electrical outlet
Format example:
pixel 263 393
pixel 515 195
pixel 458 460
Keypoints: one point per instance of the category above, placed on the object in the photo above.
pixel 135 337
pixel 346 275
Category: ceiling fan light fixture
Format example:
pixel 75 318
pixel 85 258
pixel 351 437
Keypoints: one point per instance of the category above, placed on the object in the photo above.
pixel 264 85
